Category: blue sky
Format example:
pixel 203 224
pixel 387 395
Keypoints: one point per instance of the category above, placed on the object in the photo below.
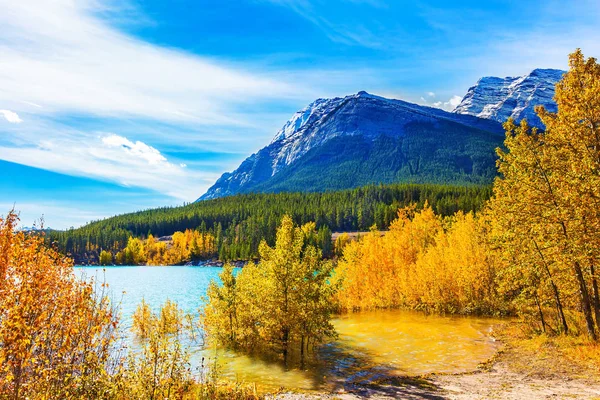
pixel 113 106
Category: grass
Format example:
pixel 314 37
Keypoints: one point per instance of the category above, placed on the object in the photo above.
pixel 224 390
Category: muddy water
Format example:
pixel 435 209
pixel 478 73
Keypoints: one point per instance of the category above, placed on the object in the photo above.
pixel 371 345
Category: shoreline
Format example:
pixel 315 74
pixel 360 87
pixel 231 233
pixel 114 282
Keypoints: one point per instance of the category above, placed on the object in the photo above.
pixel 517 371
pixel 208 263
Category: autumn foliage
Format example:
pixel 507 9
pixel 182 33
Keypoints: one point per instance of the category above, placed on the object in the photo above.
pixel 283 303
pixel 56 331
pixel 534 250
pixel 183 247
pixel 545 209
pixel 424 262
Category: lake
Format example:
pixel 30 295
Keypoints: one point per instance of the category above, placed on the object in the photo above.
pixel 370 344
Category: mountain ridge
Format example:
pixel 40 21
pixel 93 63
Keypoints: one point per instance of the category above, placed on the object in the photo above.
pixel 362 138
pixel 360 114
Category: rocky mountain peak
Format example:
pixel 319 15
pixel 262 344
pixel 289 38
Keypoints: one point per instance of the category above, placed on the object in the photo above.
pixel 501 98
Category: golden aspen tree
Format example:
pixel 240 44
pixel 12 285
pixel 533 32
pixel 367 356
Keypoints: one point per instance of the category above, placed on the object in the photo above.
pixel 106 257
pixel 380 271
pixel 457 273
pixel 575 132
pixel 340 242
pixel 142 320
pixel 221 312
pixel 134 252
pixel 546 200
pixel 422 262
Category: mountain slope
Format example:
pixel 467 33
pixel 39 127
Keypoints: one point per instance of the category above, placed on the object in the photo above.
pixel 361 139
pixel 500 98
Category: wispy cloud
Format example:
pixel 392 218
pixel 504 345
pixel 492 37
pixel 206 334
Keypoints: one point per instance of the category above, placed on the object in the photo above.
pixel 97 102
pixel 477 42
pixel 103 156
pixel 62 56
pixel 62 60
pixel 352 34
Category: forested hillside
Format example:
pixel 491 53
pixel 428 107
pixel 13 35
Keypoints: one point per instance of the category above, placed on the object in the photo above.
pixel 425 154
pixel 239 223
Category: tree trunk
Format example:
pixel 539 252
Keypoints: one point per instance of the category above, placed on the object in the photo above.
pixel 559 306
pixel 285 343
pixel 585 302
pixel 537 302
pixel 302 353
pixel 596 296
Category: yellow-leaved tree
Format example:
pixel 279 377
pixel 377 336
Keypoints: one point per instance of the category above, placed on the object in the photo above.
pixel 380 271
pixel 160 367
pixel 422 262
pixel 545 204
pixel 283 302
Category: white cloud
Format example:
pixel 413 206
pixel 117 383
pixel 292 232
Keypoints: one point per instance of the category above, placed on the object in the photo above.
pixel 137 149
pixel 11 116
pixel 445 105
pixel 430 94
pixel 453 102
pixel 103 156
pixel 61 59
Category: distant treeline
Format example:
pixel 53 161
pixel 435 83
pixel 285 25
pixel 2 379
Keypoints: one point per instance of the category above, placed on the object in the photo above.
pixel 239 223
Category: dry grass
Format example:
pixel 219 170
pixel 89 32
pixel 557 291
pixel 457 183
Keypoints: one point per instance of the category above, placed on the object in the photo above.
pixel 548 356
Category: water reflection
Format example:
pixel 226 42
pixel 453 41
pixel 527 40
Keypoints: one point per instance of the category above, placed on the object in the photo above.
pixel 371 345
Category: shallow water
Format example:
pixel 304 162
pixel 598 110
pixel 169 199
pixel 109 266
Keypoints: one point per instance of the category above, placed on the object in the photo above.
pixel 370 344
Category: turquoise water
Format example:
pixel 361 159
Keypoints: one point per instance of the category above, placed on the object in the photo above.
pixel 370 344
pixel 128 285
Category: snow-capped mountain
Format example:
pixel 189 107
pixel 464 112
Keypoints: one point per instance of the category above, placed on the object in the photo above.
pixel 501 98
pixel 362 138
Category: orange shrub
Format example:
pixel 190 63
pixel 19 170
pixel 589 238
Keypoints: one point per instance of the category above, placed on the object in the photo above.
pixel 56 331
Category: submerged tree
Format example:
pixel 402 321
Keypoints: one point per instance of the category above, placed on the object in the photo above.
pixel 283 301
pixel 160 368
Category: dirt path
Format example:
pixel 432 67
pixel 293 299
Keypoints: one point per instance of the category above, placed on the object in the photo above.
pixel 498 383
pixel 515 373
pixel 503 383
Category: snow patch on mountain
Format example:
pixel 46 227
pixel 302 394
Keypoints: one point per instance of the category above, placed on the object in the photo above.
pixel 512 97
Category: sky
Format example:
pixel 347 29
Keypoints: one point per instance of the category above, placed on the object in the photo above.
pixel 113 106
